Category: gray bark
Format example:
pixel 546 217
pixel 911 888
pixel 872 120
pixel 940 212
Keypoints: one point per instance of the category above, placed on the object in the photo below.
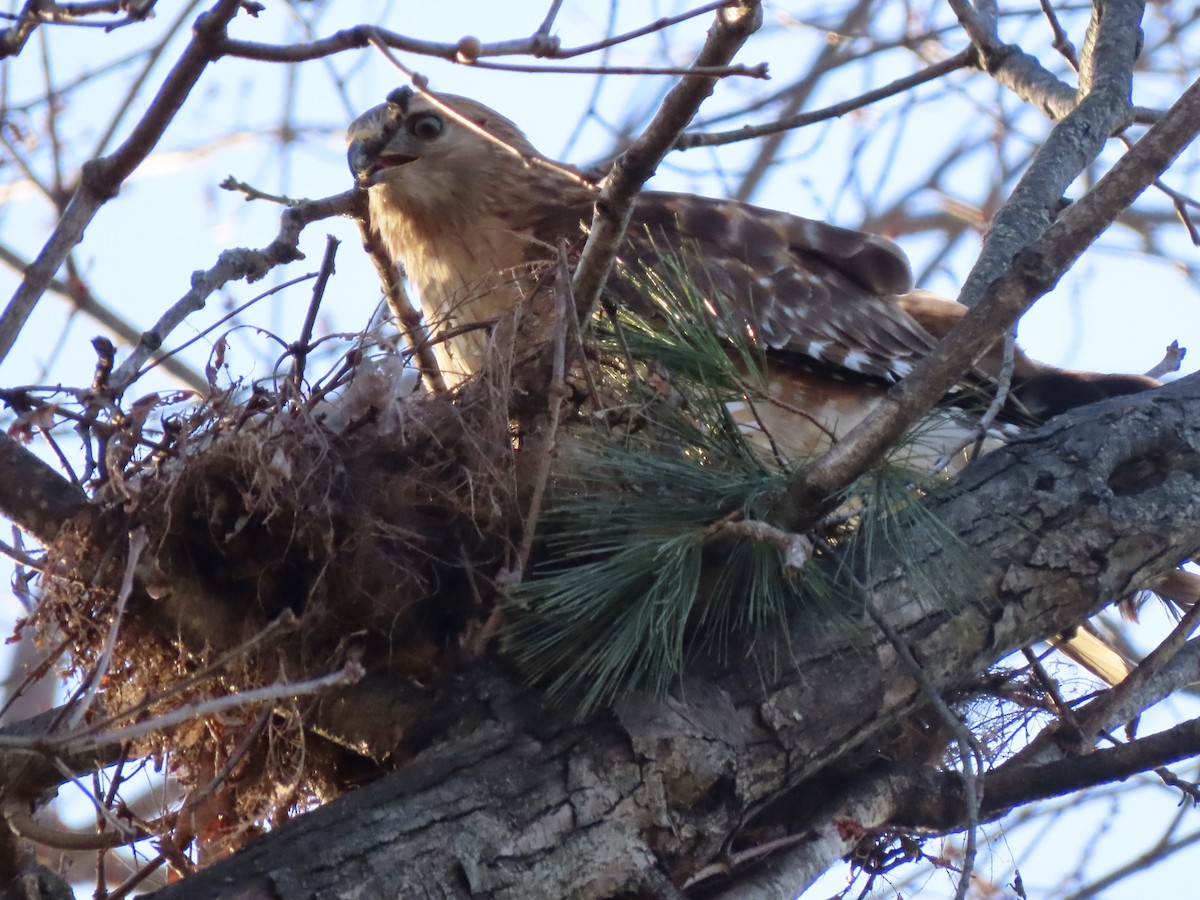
pixel 515 801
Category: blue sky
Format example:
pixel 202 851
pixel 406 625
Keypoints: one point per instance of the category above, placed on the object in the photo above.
pixel 1115 311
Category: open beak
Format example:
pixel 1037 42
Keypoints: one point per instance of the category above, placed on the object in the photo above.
pixel 367 159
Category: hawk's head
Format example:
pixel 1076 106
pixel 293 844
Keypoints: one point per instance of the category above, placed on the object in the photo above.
pixel 454 198
pixel 427 156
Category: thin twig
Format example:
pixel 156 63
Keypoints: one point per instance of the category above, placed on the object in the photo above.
pixel 286 621
pixel 419 84
pixel 1062 43
pixel 970 751
pixel 960 60
pixel 104 812
pixel 138 541
pixel 999 399
pixel 581 351
pixel 80 741
pixel 756 71
pixel 548 22
pixel 129 885
pixel 557 393
pixel 21 557
pixel 195 798
pixel 209 329
pixel 300 347
pixel 1051 687
pixel 412 325
pixel 252 193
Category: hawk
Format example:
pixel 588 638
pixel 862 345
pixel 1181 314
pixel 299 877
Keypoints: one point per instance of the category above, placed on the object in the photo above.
pixel 475 214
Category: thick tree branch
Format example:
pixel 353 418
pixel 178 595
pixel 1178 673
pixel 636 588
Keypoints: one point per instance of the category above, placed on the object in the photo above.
pixel 905 798
pixel 1073 144
pixel 1004 298
pixel 32 494
pixel 1106 497
pixel 933 801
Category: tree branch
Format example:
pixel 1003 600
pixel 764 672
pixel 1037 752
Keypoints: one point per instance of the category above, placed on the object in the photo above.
pixel 464 51
pixel 520 796
pixel 733 25
pixel 1001 299
pixel 900 85
pixel 101 178
pixel 32 494
pixel 233 264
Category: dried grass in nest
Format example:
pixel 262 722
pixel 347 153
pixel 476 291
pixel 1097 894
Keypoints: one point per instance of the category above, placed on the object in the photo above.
pixel 382 539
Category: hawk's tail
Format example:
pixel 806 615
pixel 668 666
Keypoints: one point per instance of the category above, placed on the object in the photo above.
pixel 1038 391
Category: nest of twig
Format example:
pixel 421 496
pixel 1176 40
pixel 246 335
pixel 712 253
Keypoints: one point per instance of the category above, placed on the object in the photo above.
pixel 287 538
pixel 267 542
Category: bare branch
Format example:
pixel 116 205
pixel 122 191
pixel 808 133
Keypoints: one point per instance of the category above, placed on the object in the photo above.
pixel 464 51
pixel 1007 286
pixel 138 540
pixel 301 345
pixel 732 71
pixel 634 167
pixel 102 178
pixel 412 325
pixel 232 265
pixel 899 86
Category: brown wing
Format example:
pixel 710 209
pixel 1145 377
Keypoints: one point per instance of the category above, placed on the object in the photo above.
pixel 812 292
pixel 805 288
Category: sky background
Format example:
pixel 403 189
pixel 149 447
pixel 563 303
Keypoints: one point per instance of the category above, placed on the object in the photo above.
pixel 1115 311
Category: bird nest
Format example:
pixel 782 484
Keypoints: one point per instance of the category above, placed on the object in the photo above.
pixel 274 543
pixel 270 543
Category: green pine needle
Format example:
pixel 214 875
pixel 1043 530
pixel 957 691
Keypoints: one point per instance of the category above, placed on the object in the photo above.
pixel 634 583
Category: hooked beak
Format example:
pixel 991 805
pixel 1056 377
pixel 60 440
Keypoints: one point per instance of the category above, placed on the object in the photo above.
pixel 369 155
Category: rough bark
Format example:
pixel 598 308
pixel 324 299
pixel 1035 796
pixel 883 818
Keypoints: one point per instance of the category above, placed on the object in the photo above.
pixel 516 801
pixel 32 494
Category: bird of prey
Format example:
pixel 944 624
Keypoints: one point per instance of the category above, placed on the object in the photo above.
pixel 475 215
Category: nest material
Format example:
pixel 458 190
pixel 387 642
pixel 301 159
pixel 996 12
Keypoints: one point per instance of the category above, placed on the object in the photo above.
pixel 382 541
pixel 381 525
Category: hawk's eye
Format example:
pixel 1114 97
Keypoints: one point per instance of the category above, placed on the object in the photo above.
pixel 425 127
